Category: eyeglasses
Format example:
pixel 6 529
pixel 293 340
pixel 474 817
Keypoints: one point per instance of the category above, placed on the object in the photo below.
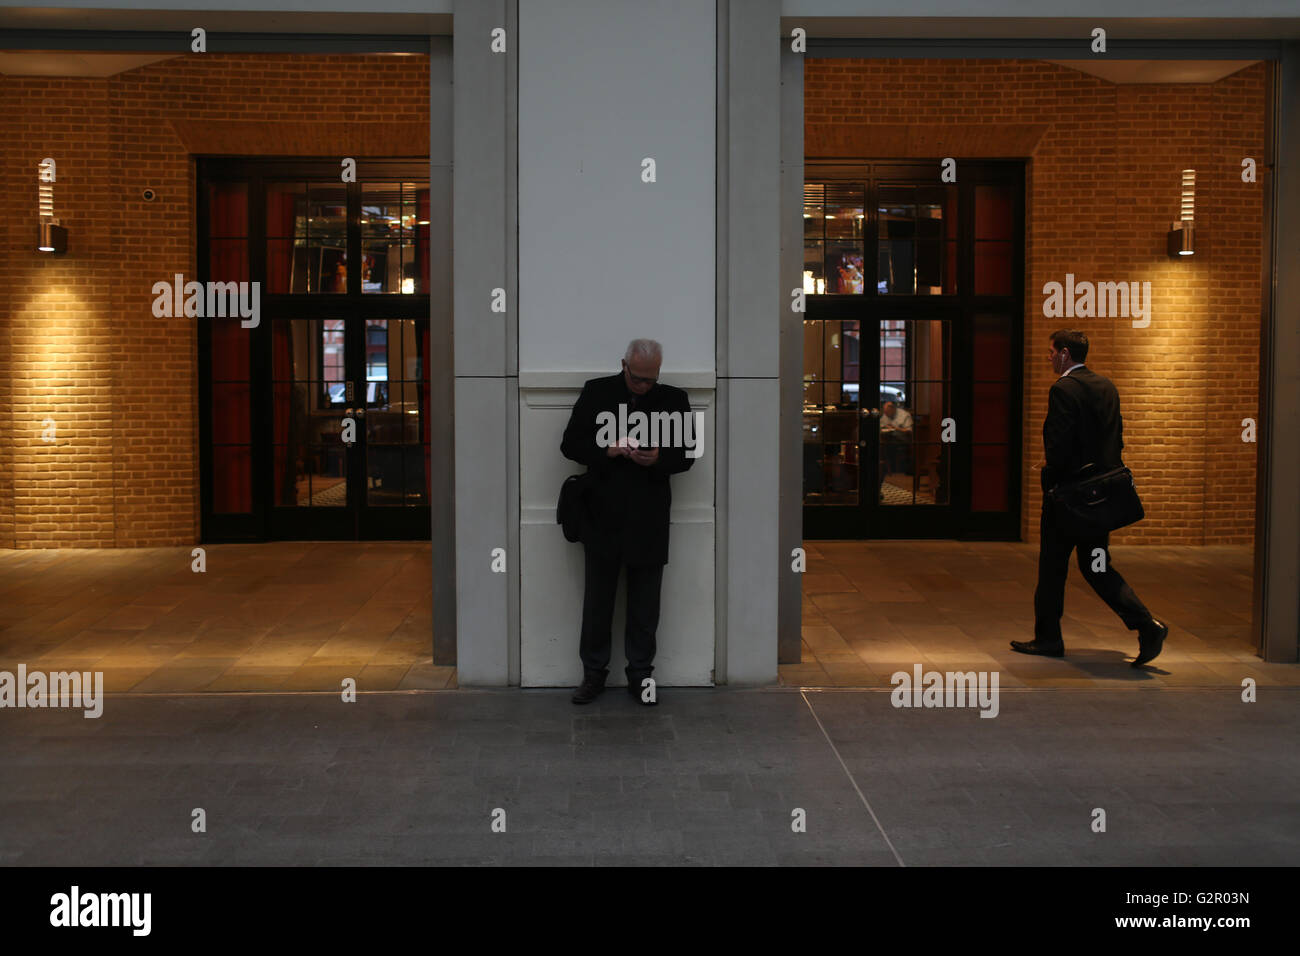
pixel 637 379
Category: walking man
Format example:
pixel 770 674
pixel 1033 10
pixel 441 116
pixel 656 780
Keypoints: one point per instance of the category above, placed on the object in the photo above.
pixel 627 520
pixel 1083 426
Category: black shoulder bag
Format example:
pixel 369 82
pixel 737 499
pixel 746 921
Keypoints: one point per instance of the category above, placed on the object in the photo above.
pixel 572 507
pixel 1092 504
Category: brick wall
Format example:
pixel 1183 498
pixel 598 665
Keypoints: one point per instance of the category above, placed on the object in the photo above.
pixel 78 340
pixel 1103 182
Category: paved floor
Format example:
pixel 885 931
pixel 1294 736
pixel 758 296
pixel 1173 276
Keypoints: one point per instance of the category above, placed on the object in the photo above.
pixel 302 616
pixel 872 609
pixel 1185 776
pixel 282 616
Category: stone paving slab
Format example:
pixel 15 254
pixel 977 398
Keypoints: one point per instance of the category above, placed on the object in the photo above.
pixel 1187 776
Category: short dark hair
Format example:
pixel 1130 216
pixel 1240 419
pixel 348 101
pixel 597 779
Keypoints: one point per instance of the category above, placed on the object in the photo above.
pixel 1072 339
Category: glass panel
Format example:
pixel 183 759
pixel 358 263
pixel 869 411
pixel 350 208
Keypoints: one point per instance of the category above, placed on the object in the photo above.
pixel 310 459
pixel 286 266
pixel 814 478
pixel 327 238
pixel 813 363
pixel 993 212
pixel 286 210
pixel 844 211
pixel 814 267
pixel 327 268
pixel 897 268
pixel 930 261
pixel 326 480
pixel 840 452
pixel 414 469
pixel 384 484
pixel 380 210
pixel 990 477
pixel 896 212
pixel 992 268
pixel 228 210
pixel 394 237
pixel 814 210
pixel 844 267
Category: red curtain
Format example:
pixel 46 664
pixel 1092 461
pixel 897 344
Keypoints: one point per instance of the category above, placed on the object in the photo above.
pixel 232 472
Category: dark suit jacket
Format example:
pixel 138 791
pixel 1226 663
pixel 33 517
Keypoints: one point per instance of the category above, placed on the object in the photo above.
pixel 1083 426
pixel 629 503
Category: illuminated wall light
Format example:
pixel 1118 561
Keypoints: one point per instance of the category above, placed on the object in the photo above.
pixel 1181 239
pixel 52 237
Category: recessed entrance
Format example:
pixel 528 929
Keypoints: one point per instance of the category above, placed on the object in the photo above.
pixel 912 353
pixel 315 421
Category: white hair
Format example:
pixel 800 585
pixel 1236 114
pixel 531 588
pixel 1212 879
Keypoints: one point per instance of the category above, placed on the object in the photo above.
pixel 646 349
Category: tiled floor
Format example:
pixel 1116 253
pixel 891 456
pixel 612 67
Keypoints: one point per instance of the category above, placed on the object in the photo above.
pixel 303 616
pixel 871 609
pixel 1187 777
pixel 283 616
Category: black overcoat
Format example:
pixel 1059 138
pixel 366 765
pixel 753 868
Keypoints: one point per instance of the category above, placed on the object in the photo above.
pixel 628 504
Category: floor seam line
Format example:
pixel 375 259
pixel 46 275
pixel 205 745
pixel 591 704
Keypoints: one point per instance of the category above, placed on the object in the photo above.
pixel 861 796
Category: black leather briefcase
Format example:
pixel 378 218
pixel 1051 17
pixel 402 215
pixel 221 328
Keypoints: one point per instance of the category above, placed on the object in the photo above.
pixel 1096 502
pixel 572 507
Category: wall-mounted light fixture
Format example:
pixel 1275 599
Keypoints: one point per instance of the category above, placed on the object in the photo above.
pixel 53 237
pixel 1182 235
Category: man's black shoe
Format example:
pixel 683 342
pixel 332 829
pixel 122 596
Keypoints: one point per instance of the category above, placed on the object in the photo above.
pixel 1151 638
pixel 636 690
pixel 1040 648
pixel 587 692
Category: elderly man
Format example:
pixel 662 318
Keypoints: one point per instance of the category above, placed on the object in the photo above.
pixel 627 522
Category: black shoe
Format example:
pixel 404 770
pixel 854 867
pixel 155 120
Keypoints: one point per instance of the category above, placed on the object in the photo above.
pixel 1151 638
pixel 635 690
pixel 588 691
pixel 1041 648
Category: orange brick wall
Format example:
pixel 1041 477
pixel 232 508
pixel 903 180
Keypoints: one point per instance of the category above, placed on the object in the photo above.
pixel 1103 184
pixel 78 339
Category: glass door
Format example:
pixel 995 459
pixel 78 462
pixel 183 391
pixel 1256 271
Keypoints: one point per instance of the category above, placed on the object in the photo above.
pixel 912 356
pixel 315 420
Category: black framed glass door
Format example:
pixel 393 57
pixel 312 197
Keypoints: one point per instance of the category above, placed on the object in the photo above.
pixel 314 422
pixel 912 355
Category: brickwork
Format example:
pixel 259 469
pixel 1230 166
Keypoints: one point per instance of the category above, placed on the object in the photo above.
pixel 1103 184
pixel 79 343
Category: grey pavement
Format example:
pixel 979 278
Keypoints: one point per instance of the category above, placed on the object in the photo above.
pixel 710 777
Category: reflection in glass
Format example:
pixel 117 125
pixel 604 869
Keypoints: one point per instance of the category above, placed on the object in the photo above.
pixel 834 214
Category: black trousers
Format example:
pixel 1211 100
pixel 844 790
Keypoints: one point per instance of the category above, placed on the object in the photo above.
pixel 1054 547
pixel 601 586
